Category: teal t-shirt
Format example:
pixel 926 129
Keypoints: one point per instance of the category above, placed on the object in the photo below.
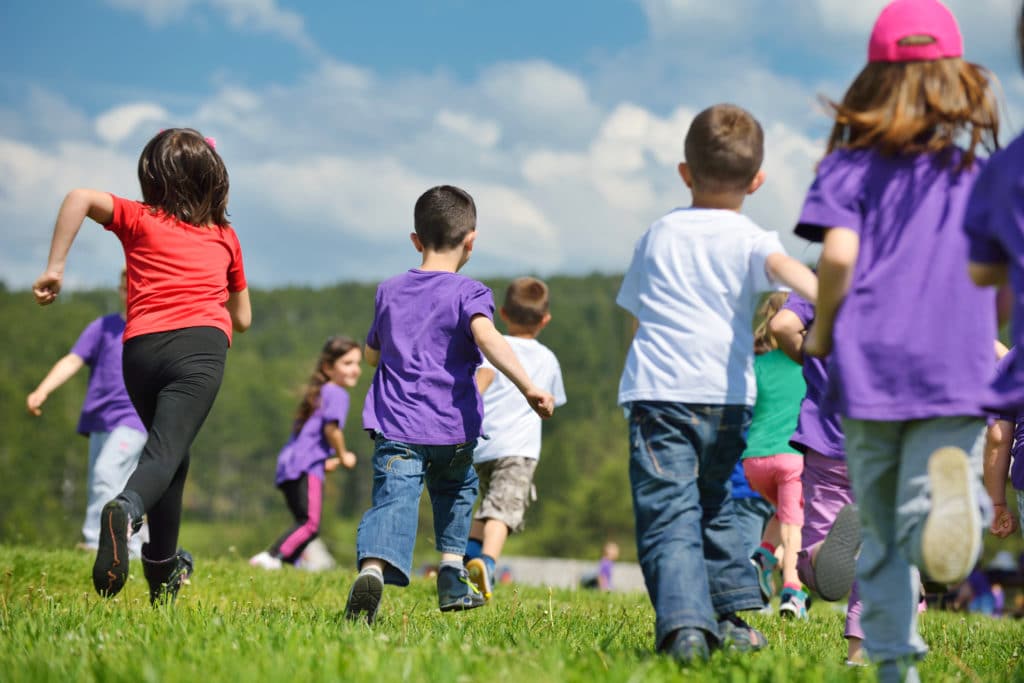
pixel 780 389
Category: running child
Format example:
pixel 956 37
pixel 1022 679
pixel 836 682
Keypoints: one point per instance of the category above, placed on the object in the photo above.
pixel 771 465
pixel 316 434
pixel 506 460
pixel 186 293
pixel 115 432
pixel 910 334
pixel 423 409
pixel 688 386
pixel 1004 444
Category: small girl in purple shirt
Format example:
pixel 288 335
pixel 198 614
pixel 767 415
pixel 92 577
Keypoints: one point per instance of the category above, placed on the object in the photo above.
pixel 910 334
pixel 316 434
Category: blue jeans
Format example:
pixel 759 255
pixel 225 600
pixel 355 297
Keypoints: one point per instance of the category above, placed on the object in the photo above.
pixel 388 529
pixel 752 514
pixel 695 564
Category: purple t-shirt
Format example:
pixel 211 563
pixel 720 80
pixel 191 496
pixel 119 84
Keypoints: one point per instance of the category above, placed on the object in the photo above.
pixel 424 391
pixel 995 232
pixel 816 429
pixel 306 451
pixel 1004 367
pixel 913 339
pixel 106 404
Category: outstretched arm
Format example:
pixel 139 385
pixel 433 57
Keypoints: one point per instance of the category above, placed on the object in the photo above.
pixel 795 275
pixel 61 372
pixel 77 205
pixel 501 356
pixel 835 273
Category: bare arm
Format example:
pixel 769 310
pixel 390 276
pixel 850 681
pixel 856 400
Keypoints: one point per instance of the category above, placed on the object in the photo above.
pixel 835 273
pixel 240 308
pixel 789 330
pixel 1001 350
pixel 371 355
pixel 795 275
pixel 988 274
pixel 61 372
pixel 998 440
pixel 484 377
pixel 336 439
pixel 77 206
pixel 501 356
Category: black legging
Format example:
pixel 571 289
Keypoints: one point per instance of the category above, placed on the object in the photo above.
pixel 172 379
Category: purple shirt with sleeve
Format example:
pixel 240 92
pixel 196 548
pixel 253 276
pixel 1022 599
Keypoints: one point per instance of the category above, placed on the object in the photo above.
pixel 913 338
pixel 307 450
pixel 106 404
pixel 816 429
pixel 424 390
pixel 1005 366
pixel 995 232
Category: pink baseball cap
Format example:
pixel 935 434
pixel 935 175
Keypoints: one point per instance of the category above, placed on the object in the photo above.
pixel 903 18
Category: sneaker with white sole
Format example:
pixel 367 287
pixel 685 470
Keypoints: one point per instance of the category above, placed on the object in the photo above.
pixel 481 578
pixel 835 561
pixel 793 604
pixel 455 591
pixel 951 539
pixel 266 561
pixel 364 597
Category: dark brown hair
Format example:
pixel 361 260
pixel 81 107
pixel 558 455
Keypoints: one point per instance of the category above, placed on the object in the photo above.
pixel 724 149
pixel 526 301
pixel 334 348
pixel 182 175
pixel 763 339
pixel 443 216
pixel 915 107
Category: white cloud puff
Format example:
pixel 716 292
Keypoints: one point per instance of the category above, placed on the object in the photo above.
pixel 117 124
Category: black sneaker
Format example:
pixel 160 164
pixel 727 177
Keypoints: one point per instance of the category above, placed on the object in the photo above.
pixel 687 645
pixel 166 577
pixel 738 635
pixel 364 597
pixel 110 571
pixel 456 591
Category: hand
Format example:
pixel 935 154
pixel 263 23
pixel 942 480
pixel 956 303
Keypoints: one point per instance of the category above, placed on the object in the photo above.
pixel 35 401
pixel 47 287
pixel 817 343
pixel 331 464
pixel 1003 523
pixel 348 460
pixel 542 402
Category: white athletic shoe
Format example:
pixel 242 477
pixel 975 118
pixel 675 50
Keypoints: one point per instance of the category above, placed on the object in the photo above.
pixel 951 539
pixel 265 561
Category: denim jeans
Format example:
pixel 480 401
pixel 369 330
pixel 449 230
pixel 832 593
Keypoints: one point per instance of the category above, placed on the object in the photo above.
pixel 112 459
pixel 695 563
pixel 388 529
pixel 752 514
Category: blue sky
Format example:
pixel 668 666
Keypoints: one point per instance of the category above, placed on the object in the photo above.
pixel 564 119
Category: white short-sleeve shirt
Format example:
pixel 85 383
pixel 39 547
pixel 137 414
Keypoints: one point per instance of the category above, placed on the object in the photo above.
pixel 509 421
pixel 694 284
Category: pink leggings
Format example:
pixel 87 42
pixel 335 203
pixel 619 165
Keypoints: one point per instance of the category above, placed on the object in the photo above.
pixel 777 478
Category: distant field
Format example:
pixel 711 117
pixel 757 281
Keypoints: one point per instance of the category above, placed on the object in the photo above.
pixel 235 624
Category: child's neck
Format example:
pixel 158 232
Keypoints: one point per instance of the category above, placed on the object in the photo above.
pixel 729 201
pixel 445 261
pixel 522 332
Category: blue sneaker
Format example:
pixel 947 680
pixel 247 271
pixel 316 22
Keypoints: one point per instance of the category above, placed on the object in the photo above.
pixel 793 604
pixel 481 578
pixel 764 562
pixel 456 592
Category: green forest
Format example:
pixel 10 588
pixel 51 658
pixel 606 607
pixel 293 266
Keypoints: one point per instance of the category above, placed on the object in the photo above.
pixel 582 482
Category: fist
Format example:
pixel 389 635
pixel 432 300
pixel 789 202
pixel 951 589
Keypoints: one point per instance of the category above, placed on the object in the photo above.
pixel 47 287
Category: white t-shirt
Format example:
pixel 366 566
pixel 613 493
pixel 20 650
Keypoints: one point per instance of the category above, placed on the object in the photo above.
pixel 509 421
pixel 694 284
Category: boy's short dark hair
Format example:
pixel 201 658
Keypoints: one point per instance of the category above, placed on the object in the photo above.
pixel 526 301
pixel 443 216
pixel 724 149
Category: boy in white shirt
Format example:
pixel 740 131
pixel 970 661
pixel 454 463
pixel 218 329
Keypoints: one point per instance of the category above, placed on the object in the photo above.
pixel 688 386
pixel 505 462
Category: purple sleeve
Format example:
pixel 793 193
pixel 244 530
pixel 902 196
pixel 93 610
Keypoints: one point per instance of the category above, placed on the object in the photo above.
pixel 801 307
pixel 333 403
pixel 476 300
pixel 373 336
pixel 983 243
pixel 88 345
pixel 834 200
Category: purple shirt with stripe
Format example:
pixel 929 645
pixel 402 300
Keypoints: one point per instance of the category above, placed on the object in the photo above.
pixel 306 451
pixel 106 404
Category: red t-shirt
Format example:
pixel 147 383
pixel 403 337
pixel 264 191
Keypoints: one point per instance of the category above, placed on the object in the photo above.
pixel 179 275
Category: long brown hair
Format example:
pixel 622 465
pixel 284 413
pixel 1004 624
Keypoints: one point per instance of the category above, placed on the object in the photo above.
pixel 334 348
pixel 763 339
pixel 914 107
pixel 182 175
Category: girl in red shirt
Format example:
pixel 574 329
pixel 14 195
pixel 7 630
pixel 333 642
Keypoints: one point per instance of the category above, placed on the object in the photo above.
pixel 186 293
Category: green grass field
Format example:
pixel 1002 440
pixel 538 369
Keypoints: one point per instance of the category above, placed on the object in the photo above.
pixel 237 624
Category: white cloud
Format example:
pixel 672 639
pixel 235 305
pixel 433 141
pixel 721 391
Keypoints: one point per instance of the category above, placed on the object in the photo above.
pixel 116 124
pixel 479 131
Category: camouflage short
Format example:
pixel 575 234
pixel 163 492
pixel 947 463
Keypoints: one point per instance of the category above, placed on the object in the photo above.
pixel 506 490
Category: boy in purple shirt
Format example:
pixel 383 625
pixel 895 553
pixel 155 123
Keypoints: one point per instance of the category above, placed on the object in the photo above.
pixel 423 408
pixel 116 434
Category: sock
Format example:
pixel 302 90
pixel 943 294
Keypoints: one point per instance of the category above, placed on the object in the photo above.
pixel 474 549
pixel 490 563
pixel 372 570
pixel 768 546
pixel 450 564
pixel 795 587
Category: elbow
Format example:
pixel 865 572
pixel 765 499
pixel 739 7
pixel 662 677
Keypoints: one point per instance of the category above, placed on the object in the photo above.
pixel 985 275
pixel 242 323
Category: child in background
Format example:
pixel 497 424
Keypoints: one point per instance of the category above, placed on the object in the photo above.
pixel 688 386
pixel 831 533
pixel 772 466
pixel 186 293
pixel 912 336
pixel 423 408
pixel 1005 443
pixel 115 432
pixel 609 556
pixel 316 433
pixel 505 462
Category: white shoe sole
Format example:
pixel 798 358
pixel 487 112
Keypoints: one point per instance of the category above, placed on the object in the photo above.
pixel 951 539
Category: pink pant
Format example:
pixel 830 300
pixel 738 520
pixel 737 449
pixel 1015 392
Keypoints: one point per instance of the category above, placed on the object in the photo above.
pixel 777 478
pixel 826 491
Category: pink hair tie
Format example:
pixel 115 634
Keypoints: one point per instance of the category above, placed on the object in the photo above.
pixel 211 142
